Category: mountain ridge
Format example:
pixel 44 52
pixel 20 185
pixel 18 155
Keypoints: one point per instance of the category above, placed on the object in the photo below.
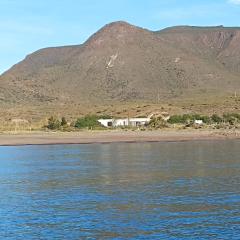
pixel 122 62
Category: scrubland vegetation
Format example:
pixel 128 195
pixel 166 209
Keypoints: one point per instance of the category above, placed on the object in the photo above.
pixel 230 118
pixel 90 122
pixel 86 122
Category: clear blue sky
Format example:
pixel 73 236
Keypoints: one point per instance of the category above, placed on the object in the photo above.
pixel 28 25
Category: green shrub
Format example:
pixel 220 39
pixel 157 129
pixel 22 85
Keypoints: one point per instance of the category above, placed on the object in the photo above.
pixel 157 123
pixel 89 121
pixel 176 119
pixel 188 118
pixel 205 119
pixel 53 123
pixel 63 122
pixel 236 115
pixel 216 119
pixel 231 118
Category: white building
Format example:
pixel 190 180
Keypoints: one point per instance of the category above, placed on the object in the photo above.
pixel 198 122
pixel 133 122
pixel 106 122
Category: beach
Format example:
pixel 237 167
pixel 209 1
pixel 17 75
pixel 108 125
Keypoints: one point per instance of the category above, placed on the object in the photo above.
pixel 90 137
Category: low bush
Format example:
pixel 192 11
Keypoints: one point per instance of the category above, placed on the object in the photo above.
pixel 53 123
pixel 89 121
pixel 157 123
pixel 231 118
pixel 216 119
pixel 64 122
pixel 188 118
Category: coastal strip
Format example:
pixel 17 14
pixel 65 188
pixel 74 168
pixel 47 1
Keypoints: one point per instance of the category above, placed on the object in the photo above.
pixel 90 137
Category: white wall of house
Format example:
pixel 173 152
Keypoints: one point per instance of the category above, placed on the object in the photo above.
pixel 134 122
pixel 121 122
pixel 139 121
pixel 199 122
pixel 106 122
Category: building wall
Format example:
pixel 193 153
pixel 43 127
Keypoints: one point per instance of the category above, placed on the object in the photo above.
pixel 124 122
pixel 106 122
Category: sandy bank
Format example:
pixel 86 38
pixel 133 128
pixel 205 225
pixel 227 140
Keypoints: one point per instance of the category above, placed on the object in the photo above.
pixel 86 137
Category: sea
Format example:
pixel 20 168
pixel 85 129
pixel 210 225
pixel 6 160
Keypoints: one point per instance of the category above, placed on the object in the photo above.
pixel 167 190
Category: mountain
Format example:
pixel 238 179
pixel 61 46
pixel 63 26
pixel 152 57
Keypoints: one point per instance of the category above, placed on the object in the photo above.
pixel 124 63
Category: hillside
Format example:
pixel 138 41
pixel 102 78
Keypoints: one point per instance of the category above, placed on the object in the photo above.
pixel 125 63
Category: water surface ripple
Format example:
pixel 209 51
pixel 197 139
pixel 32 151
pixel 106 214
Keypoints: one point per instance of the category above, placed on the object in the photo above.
pixel 184 190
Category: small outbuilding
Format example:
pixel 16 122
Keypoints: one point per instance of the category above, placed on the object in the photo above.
pixel 198 122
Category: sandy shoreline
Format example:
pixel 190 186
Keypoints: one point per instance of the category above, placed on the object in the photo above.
pixel 89 137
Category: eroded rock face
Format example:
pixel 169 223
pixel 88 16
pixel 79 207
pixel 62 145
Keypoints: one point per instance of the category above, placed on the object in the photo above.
pixel 122 62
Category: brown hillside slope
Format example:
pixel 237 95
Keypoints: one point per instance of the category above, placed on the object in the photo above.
pixel 212 43
pixel 122 62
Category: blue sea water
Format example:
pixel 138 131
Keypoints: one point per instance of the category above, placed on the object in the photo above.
pixel 181 190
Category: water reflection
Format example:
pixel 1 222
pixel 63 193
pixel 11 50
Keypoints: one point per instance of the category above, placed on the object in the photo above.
pixel 121 191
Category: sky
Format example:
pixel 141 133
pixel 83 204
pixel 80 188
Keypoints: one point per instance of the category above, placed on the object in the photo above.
pixel 29 25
